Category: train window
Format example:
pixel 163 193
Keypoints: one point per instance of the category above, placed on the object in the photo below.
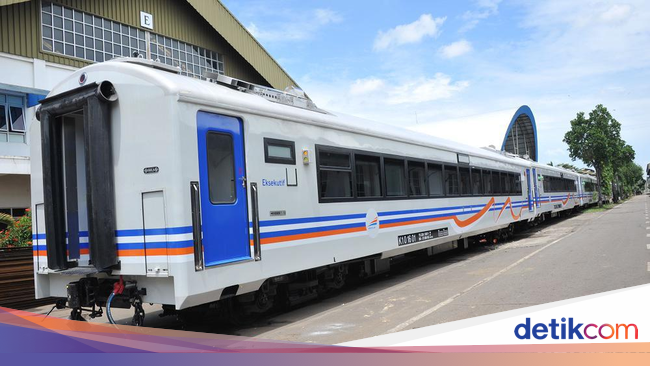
pixel 279 151
pixel 434 179
pixel 395 177
pixel 477 183
pixel 221 168
pixel 547 184
pixel 335 174
pixel 451 180
pixel 334 159
pixel 335 184
pixel 417 179
pixel 496 185
pixel 517 185
pixel 367 170
pixel 505 183
pixel 465 183
pixel 487 182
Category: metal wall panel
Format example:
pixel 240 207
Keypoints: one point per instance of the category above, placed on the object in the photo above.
pixel 20 33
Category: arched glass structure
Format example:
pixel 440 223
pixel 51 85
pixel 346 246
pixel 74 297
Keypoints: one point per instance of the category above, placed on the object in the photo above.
pixel 521 136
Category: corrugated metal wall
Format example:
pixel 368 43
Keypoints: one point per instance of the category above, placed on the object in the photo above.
pixel 20 30
pixel 225 23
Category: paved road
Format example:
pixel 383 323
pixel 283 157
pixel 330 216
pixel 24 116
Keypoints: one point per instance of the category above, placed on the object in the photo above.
pixel 581 255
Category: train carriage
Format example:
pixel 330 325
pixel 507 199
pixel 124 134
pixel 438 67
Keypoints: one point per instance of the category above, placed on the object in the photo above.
pixel 149 186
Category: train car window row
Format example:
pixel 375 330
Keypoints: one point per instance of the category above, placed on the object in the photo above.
pixel 590 186
pixel 346 175
pixel 557 184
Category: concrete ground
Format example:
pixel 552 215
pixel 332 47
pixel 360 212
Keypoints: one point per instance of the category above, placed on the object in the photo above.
pixel 584 254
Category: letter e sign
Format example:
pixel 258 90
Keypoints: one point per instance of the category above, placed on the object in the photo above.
pixel 146 20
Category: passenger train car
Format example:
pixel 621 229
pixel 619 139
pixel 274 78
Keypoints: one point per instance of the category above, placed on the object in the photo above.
pixel 149 186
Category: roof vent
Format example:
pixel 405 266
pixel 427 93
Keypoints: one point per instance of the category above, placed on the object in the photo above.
pixel 292 96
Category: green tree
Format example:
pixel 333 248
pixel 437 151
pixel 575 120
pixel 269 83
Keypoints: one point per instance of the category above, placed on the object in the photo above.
pixel 596 140
pixel 631 178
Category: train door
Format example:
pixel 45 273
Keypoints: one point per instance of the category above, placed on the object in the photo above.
pixel 530 191
pixel 580 190
pixel 536 189
pixel 222 178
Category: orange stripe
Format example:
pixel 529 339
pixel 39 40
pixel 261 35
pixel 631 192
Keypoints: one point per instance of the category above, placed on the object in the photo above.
pixel 516 217
pixel 413 222
pixel 158 251
pixel 180 251
pixel 504 207
pixel 567 199
pixel 474 218
pixel 309 235
pixel 130 252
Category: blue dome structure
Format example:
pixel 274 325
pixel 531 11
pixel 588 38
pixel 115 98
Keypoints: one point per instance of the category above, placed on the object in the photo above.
pixel 521 136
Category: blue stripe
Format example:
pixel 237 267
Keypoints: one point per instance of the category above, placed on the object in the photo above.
pixel 134 232
pixel 309 219
pixel 311 230
pixel 156 245
pixel 160 231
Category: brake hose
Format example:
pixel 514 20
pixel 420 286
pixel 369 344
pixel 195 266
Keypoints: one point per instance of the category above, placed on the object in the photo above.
pixel 118 288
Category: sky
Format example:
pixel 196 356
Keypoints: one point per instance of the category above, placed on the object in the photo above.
pixel 459 69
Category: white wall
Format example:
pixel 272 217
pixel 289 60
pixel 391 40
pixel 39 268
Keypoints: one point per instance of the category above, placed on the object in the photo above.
pixel 20 72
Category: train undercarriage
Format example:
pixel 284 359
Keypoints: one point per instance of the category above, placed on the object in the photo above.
pixel 91 295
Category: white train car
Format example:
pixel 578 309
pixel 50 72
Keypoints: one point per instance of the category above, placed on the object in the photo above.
pixel 559 189
pixel 588 190
pixel 149 186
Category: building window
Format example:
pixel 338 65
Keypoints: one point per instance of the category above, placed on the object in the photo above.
pixel 192 60
pixel 78 34
pixel 12 118
pixel 82 35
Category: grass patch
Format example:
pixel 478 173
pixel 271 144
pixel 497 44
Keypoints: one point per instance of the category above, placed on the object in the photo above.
pixel 607 206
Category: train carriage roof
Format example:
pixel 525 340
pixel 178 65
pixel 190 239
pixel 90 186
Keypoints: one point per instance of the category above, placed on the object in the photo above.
pixel 211 94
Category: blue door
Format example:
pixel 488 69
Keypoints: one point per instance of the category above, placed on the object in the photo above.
pixel 222 185
pixel 537 198
pixel 530 189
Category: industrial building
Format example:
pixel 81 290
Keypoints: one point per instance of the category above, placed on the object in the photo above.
pixel 42 42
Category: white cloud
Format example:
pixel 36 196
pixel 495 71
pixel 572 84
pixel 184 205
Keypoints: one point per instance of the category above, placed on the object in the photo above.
pixel 616 13
pixel 425 26
pixel 426 90
pixel 295 27
pixel 364 86
pixel 326 16
pixel 390 99
pixel 484 9
pixel 456 49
